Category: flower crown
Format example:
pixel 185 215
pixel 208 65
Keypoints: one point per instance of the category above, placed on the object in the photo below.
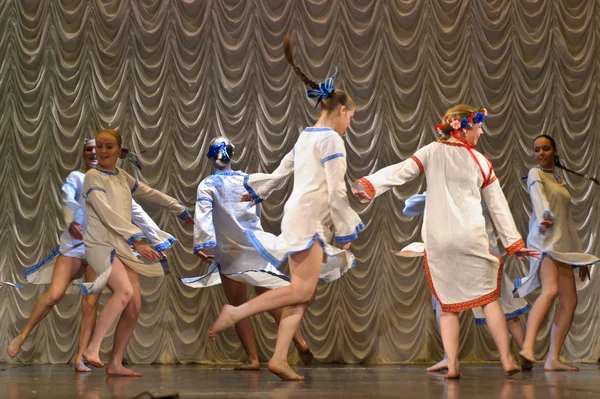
pixel 448 126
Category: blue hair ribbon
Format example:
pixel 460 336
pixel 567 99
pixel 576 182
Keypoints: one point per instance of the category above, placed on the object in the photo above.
pixel 325 89
pixel 216 149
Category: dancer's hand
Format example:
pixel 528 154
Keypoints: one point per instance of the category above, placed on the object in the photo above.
pixel 189 221
pixel 526 252
pixel 362 195
pixel 76 231
pixel 584 273
pixel 546 224
pixel 146 251
pixel 346 246
pixel 247 198
pixel 205 257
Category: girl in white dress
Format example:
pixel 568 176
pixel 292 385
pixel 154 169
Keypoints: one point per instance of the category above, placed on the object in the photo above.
pixel 552 231
pixel 219 239
pixel 109 239
pixel 317 202
pixel 67 261
pixel 512 307
pixel 461 272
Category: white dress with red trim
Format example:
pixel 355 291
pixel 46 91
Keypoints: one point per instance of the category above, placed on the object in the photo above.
pixel 74 212
pixel 110 229
pixel 461 272
pixel 220 220
pixel 550 198
pixel 512 307
pixel 318 209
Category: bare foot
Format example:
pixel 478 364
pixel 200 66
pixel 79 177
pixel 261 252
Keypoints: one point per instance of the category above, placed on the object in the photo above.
pixel 120 370
pixel 453 374
pixel 15 346
pixel 526 364
pixel 527 356
pixel 512 370
pixel 440 366
pixel 223 322
pixel 306 354
pixel 80 366
pixel 557 365
pixel 92 358
pixel 284 371
pixel 251 365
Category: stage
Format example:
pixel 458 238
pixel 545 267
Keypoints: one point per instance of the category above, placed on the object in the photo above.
pixel 322 381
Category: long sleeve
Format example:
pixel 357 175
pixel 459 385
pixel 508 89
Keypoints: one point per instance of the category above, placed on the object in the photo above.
pixel 415 205
pixel 95 196
pixel 142 192
pixel 540 204
pixel 204 230
pixel 333 157
pixel 261 185
pixel 72 209
pixel 503 221
pixel 159 239
pixel 394 175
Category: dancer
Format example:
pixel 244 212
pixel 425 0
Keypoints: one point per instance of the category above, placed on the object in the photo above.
pixel 552 231
pixel 219 239
pixel 318 200
pixel 512 307
pixel 461 272
pixel 108 193
pixel 67 261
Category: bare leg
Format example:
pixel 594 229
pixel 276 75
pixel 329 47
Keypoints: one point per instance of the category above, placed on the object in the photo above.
pixel 119 284
pixel 496 322
pixel 442 364
pixel 301 290
pixel 65 270
pixel 302 347
pixel 549 278
pixel 567 297
pixel 450 329
pixel 125 327
pixel 235 292
pixel 516 331
pixel 89 310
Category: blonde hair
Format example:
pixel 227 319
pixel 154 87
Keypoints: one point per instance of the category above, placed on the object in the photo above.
pixel 457 112
pixel 115 134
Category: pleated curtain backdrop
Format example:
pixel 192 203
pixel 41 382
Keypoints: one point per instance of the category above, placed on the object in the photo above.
pixel 172 74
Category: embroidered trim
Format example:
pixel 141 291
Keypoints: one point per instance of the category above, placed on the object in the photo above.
pixel 232 173
pixel 510 315
pixel 69 184
pixel 370 190
pixel 134 238
pixel 165 244
pixel 184 215
pixel 493 179
pixel 350 237
pixel 94 189
pixel 135 186
pixel 255 197
pixel 473 303
pixel 533 182
pixel 330 157
pixel 419 164
pixel 515 247
pixel 207 244
pixel 108 172
pixel 204 199
pixel 318 129
pixel 32 269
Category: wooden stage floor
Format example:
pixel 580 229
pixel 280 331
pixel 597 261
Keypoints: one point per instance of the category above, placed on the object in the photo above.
pixel 20 381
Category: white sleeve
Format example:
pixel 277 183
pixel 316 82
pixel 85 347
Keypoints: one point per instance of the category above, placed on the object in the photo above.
pixel 144 222
pixel 503 221
pixel 70 191
pixel 333 157
pixel 95 196
pixel 143 192
pixel 261 185
pixel 204 230
pixel 395 175
pixel 539 202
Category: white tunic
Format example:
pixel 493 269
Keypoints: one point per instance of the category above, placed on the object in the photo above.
pixel 512 307
pixel 461 272
pixel 74 212
pixel 550 197
pixel 318 202
pixel 110 231
pixel 220 220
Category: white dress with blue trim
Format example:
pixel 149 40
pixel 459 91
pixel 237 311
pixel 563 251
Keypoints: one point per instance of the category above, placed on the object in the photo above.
pixel 220 220
pixel 550 197
pixel 74 212
pixel 512 307
pixel 110 230
pixel 317 203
